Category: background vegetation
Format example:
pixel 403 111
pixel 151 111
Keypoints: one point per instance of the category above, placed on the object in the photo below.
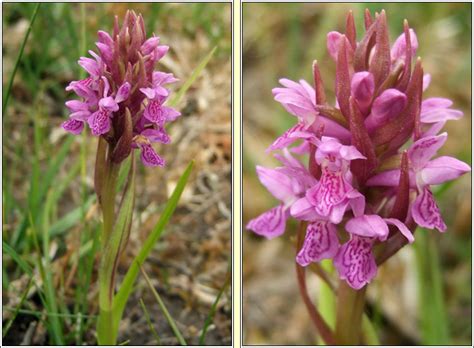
pixel 423 295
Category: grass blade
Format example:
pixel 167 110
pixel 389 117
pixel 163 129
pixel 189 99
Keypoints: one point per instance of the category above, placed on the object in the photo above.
pixel 212 312
pixel 17 63
pixel 126 287
pixel 167 314
pixel 150 325
pixel 434 321
pixel 17 258
pixel 195 74
pixel 17 308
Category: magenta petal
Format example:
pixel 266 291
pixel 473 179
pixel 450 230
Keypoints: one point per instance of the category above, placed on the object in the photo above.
pixel 372 226
pixel 170 114
pixel 99 122
pixel 105 38
pixel 150 45
pixel 330 191
pixel 443 169
pixel 149 92
pixel 161 51
pixel 270 224
pixel 279 184
pixel 320 243
pixel 82 115
pixel 108 104
pixel 162 78
pixel 73 126
pixel 150 158
pixel 422 150
pixel 387 178
pixel 425 211
pixel 302 209
pixel 439 115
pixel 76 105
pixel 399 47
pixel 402 228
pixel 362 89
pixel 386 106
pixel 156 135
pixel 123 92
pixel 332 43
pixel 426 81
pixel 355 262
pixel 293 134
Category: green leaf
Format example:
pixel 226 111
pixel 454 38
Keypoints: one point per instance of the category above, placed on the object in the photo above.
pixel 195 74
pixel 165 311
pixel 126 287
pixel 106 331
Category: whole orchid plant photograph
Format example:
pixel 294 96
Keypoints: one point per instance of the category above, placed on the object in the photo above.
pixel 116 185
pixel 357 174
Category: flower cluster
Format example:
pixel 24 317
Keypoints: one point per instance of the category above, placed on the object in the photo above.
pixel 370 156
pixel 123 98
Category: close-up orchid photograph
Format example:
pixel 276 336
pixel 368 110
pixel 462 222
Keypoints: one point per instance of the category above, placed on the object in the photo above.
pixel 117 167
pixel 356 225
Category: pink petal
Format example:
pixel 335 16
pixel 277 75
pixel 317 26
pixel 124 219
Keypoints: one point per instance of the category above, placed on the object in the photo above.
pixel 76 105
pixel 399 47
pixel 439 115
pixel 436 103
pixel 426 81
pixel 302 209
pixel 403 229
pixel 279 185
pixel 105 38
pixel 108 104
pixel 372 226
pixel 386 106
pixel 443 169
pixel 270 224
pixel 99 122
pixel 293 134
pixel 170 114
pixel 362 89
pixel 424 149
pixel 149 92
pixel 355 262
pixel 387 178
pixel 332 43
pixel 425 211
pixel 150 45
pixel 73 126
pixel 320 243
pixel 156 135
pixel 123 92
pixel 329 192
pixel 150 158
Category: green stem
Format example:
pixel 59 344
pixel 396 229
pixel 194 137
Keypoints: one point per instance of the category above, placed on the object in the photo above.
pixel 109 192
pixel 106 335
pixel 350 308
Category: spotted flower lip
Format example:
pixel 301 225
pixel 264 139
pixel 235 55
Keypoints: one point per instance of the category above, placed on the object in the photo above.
pixel 122 81
pixel 371 153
